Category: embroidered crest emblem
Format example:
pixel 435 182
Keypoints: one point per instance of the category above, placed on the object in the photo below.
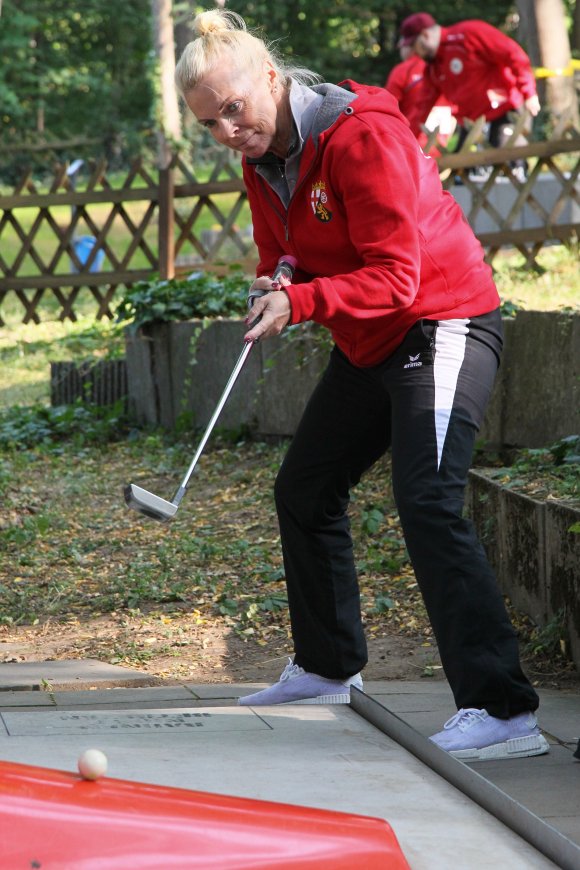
pixel 318 202
pixel 456 66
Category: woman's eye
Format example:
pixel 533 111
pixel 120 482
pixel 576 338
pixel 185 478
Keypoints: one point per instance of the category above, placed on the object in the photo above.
pixel 235 107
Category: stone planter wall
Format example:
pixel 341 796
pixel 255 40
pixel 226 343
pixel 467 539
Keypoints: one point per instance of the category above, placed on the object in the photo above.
pixel 177 367
pixel 534 553
pixel 536 398
pixel 183 367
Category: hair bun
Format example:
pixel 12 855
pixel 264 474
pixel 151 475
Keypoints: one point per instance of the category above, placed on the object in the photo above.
pixel 217 21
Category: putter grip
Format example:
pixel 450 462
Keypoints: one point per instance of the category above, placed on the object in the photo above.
pixel 284 269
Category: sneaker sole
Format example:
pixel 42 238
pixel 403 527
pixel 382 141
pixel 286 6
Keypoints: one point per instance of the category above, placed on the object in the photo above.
pixel 518 747
pixel 340 698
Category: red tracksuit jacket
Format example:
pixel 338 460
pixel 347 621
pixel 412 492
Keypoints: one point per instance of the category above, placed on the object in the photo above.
pixel 414 91
pixel 481 70
pixel 379 244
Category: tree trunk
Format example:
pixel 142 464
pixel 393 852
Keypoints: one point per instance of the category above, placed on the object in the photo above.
pixel 169 119
pixel 576 28
pixel 544 25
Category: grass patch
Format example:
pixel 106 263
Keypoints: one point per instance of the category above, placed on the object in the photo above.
pixel 554 286
pixel 27 350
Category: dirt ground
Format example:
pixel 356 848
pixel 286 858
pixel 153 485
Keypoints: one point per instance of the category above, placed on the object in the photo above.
pixel 212 653
pixel 206 654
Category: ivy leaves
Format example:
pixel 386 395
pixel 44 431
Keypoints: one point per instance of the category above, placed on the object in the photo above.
pixel 200 295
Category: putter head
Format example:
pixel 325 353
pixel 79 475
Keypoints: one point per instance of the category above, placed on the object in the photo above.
pixel 149 504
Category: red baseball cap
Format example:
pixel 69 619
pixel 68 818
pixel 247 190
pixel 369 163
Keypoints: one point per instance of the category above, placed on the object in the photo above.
pixel 413 25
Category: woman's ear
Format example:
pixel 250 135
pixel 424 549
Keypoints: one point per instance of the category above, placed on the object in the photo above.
pixel 272 76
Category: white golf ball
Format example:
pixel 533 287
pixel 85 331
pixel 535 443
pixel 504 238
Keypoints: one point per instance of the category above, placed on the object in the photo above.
pixel 92 764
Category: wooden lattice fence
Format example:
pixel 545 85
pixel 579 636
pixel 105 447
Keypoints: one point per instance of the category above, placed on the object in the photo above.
pixel 507 205
pixel 117 228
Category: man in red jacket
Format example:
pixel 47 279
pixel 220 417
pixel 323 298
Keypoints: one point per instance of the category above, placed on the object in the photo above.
pixel 414 92
pixel 416 95
pixel 476 67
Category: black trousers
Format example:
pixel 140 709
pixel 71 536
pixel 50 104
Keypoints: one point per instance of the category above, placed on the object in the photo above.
pixel 426 403
pixel 494 134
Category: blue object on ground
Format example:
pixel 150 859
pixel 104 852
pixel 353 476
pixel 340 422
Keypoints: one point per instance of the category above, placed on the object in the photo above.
pixel 83 247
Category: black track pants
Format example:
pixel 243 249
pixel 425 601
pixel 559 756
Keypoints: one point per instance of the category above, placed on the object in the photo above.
pixel 426 402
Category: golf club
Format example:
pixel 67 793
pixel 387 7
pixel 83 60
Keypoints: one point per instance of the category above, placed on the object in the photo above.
pixel 158 508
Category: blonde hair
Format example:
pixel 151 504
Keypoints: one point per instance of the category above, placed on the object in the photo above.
pixel 222 33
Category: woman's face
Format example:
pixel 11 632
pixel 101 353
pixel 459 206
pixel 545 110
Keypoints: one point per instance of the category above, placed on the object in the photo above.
pixel 240 109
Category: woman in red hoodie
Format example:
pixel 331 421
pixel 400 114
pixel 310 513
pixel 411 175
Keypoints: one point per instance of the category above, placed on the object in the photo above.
pixel 388 264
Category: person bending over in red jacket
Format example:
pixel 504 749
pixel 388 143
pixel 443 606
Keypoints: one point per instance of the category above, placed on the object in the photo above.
pixel 416 95
pixel 476 67
pixel 388 264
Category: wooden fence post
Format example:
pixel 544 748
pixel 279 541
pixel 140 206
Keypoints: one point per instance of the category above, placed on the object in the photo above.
pixel 166 223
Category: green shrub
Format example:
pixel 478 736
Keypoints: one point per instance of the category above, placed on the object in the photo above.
pixel 200 295
pixel 22 428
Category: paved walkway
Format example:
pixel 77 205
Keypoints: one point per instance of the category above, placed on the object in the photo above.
pixel 332 756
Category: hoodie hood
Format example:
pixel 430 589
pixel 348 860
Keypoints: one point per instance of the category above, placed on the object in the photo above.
pixel 349 98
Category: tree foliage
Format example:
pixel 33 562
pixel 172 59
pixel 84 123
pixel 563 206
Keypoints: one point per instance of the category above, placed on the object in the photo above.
pixel 86 67
pixel 343 39
pixel 75 68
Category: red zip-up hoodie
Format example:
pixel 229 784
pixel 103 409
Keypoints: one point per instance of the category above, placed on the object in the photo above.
pixel 379 244
pixel 481 70
pixel 415 93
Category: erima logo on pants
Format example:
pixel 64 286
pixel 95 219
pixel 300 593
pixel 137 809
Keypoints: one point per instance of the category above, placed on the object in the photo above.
pixel 413 362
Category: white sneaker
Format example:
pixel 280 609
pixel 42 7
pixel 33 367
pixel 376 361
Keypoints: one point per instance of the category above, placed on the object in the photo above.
pixel 297 686
pixel 474 735
pixel 480 173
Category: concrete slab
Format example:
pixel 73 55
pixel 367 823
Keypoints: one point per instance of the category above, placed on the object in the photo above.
pixel 103 723
pixel 567 825
pixel 426 722
pixel 555 774
pixel 311 755
pixel 559 715
pixel 24 699
pixel 426 686
pixel 159 695
pixel 439 704
pixel 224 690
pixel 547 785
pixel 71 674
pixel 326 757
pixel 425 707
pixel 192 704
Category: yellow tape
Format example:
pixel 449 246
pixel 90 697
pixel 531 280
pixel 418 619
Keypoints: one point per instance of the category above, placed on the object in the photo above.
pixel 542 73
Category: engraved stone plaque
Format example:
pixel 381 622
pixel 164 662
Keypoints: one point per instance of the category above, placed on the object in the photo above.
pixel 52 722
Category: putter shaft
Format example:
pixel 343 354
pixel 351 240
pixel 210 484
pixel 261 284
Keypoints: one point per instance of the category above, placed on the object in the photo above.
pixel 158 508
